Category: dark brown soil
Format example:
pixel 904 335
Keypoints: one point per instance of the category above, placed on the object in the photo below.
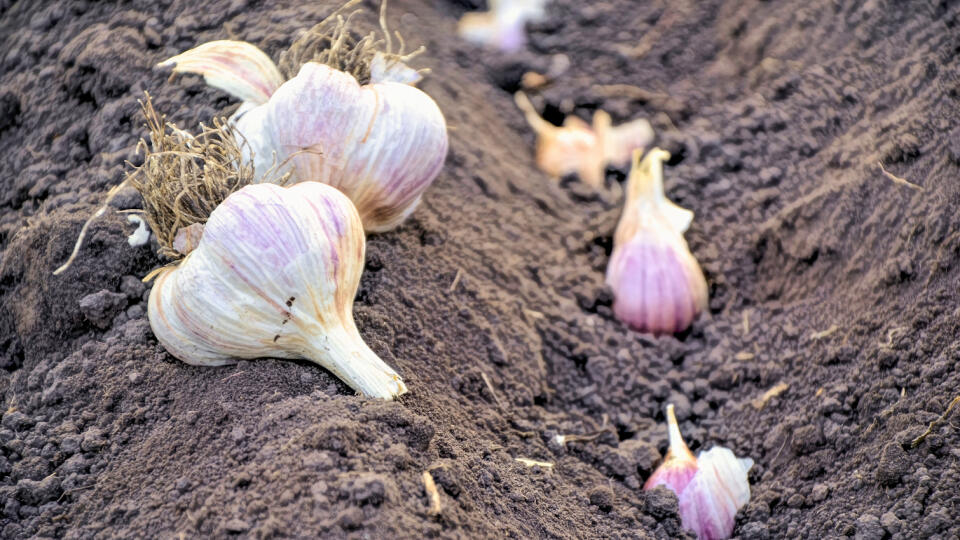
pixel 825 275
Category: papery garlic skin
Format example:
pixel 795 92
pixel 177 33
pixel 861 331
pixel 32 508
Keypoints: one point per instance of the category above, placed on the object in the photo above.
pixel 385 69
pixel 274 275
pixel 236 67
pixel 382 144
pixel 710 488
pixel 658 285
pixel 710 502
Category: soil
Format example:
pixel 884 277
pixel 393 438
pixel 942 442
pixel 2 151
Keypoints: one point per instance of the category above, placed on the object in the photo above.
pixel 829 281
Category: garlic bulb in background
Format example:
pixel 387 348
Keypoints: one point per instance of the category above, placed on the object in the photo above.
pixel 579 148
pixel 657 284
pixel 274 274
pixel 711 488
pixel 363 129
pixel 504 26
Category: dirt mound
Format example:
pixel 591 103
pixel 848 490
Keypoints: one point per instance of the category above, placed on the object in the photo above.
pixel 829 280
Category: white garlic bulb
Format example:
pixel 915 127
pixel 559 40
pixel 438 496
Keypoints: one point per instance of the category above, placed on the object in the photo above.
pixel 711 488
pixel 382 143
pixel 274 274
pixel 657 284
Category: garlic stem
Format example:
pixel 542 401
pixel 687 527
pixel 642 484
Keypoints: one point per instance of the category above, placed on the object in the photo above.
pixel 645 193
pixel 678 448
pixel 345 354
pixel 647 181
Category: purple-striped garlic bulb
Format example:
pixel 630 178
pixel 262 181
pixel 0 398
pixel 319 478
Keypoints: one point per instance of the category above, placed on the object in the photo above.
pixel 273 274
pixel 381 143
pixel 657 284
pixel 710 488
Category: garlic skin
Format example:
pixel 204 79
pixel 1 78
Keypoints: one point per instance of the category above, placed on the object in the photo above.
pixel 274 275
pixel 236 67
pixel 580 148
pixel 658 285
pixel 711 488
pixel 504 26
pixel 382 143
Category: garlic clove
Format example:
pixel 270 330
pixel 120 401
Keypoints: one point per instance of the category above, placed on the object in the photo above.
pixel 710 489
pixel 273 275
pixel 578 147
pixel 658 285
pixel 619 142
pixel 710 502
pixel 382 144
pixel 236 67
pixel 678 465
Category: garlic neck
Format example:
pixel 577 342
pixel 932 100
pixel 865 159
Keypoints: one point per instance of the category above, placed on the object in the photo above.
pixel 678 448
pixel 645 185
pixel 647 205
pixel 344 353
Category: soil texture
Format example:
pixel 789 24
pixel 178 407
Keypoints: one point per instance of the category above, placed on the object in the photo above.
pixel 829 349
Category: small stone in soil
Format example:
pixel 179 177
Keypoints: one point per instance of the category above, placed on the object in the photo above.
pixel 101 307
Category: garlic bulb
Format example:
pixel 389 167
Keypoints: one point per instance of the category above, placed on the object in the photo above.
pixel 583 149
pixel 504 26
pixel 274 274
pixel 657 284
pixel 711 488
pixel 381 143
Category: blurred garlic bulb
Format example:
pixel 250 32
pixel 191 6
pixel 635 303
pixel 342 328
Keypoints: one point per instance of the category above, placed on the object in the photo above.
pixel 711 488
pixel 381 143
pixel 657 284
pixel 274 274
pixel 579 148
pixel 504 26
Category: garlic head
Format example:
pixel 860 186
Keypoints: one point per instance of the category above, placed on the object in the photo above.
pixel 658 285
pixel 710 489
pixel 382 144
pixel 274 274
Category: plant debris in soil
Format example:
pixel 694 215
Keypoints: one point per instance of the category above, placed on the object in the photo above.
pixel 490 300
